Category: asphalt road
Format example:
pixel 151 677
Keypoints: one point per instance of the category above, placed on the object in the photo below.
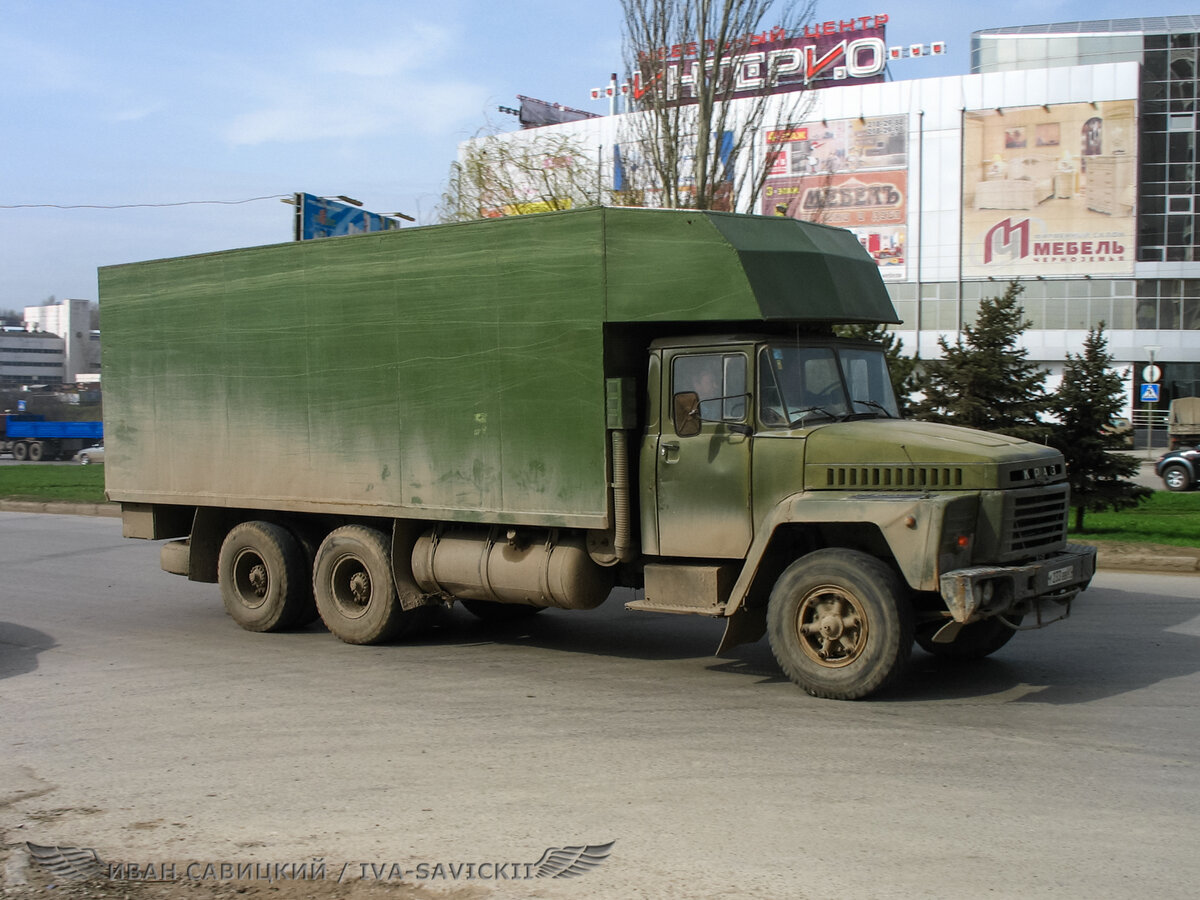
pixel 138 720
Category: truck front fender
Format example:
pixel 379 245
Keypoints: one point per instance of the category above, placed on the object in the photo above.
pixel 910 524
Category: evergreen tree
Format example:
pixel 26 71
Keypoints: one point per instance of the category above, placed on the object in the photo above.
pixel 902 369
pixel 1090 396
pixel 984 380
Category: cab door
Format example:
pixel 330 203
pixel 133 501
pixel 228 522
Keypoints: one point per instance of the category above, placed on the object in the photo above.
pixel 703 479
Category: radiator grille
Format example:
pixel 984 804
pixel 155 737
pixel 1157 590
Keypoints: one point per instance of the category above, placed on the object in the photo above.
pixel 1037 522
pixel 893 476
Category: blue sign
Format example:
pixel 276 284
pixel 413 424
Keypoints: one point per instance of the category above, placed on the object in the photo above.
pixel 317 217
pixel 1150 393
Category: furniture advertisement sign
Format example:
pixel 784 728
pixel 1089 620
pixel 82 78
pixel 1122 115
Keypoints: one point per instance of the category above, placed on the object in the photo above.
pixel 849 173
pixel 1050 190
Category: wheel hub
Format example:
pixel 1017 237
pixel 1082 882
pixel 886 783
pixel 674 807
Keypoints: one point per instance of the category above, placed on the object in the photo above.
pixel 832 627
pixel 259 580
pixel 360 588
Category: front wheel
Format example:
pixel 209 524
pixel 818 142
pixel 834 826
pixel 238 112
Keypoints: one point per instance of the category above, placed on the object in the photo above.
pixel 1177 478
pixel 839 624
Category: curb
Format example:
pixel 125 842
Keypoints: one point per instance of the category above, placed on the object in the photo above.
pixel 62 508
pixel 1145 562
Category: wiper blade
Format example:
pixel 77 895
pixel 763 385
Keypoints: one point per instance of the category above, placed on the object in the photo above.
pixel 877 406
pixel 802 413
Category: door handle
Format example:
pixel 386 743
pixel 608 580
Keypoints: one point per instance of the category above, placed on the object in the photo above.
pixel 669 451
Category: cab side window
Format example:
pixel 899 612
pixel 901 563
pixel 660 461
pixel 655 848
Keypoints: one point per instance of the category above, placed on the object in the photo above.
pixel 718 379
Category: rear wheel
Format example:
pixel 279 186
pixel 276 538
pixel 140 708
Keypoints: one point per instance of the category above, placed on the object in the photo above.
pixel 1177 478
pixel 263 576
pixel 35 451
pixel 20 451
pixel 839 624
pixel 355 590
pixel 974 641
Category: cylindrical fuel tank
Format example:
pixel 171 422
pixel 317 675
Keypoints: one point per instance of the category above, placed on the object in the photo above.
pixel 533 568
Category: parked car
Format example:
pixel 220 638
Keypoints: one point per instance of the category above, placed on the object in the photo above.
pixel 93 454
pixel 1179 469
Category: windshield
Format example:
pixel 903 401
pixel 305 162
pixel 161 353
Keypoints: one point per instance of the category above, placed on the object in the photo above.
pixel 805 385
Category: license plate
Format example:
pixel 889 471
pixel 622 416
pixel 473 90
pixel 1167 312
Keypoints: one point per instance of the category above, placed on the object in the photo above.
pixel 1060 576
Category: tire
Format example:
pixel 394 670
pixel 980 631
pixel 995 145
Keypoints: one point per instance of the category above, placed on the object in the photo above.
pixel 263 576
pixel 35 451
pixel 839 624
pixel 1177 478
pixel 83 459
pixel 974 641
pixel 355 590
pixel 20 451
pixel 491 611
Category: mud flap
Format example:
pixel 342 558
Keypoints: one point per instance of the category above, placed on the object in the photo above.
pixel 744 627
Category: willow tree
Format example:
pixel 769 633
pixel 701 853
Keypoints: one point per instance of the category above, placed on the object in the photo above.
pixel 702 94
pixel 506 173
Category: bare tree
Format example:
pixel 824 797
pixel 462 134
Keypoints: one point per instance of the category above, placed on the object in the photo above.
pixel 501 174
pixel 704 81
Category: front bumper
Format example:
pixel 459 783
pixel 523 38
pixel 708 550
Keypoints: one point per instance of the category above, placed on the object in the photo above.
pixel 980 592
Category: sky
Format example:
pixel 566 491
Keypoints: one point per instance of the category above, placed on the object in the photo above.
pixel 140 103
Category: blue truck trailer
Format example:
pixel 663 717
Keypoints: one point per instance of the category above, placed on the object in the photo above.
pixel 32 438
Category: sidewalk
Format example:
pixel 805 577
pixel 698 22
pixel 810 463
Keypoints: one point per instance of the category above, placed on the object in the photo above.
pixel 1112 555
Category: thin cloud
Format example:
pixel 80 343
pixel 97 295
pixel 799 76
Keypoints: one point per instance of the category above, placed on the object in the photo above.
pixel 393 86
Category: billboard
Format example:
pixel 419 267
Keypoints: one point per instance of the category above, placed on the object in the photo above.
pixel 319 217
pixel 849 173
pixel 843 52
pixel 1050 190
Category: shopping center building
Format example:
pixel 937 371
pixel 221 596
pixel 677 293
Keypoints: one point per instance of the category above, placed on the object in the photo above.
pixel 1066 159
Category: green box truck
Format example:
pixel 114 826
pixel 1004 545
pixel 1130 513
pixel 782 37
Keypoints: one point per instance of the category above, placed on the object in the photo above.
pixel 525 413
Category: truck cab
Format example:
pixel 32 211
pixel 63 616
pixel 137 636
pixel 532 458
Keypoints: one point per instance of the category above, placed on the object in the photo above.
pixel 790 451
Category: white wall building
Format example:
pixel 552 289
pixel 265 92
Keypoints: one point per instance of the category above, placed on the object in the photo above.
pixel 1067 160
pixel 69 320
pixel 31 357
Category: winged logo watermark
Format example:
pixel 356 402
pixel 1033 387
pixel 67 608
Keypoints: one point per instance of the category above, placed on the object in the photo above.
pixel 67 863
pixel 571 862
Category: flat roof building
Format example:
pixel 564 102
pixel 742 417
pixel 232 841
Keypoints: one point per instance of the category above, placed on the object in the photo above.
pixel 1066 159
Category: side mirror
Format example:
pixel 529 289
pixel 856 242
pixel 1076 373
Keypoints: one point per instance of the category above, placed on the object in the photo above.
pixel 686 413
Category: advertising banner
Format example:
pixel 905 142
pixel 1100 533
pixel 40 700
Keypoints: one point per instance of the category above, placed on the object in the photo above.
pixel 318 217
pixel 1050 190
pixel 848 173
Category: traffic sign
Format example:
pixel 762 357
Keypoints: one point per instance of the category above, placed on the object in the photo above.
pixel 1150 393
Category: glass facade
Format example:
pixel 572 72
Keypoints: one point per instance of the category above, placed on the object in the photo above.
pixel 1170 304
pixel 1167 208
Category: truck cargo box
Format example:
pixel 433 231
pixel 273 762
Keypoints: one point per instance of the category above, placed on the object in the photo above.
pixel 450 372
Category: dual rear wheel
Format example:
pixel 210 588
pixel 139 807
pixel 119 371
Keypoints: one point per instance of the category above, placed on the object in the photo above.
pixel 267 583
